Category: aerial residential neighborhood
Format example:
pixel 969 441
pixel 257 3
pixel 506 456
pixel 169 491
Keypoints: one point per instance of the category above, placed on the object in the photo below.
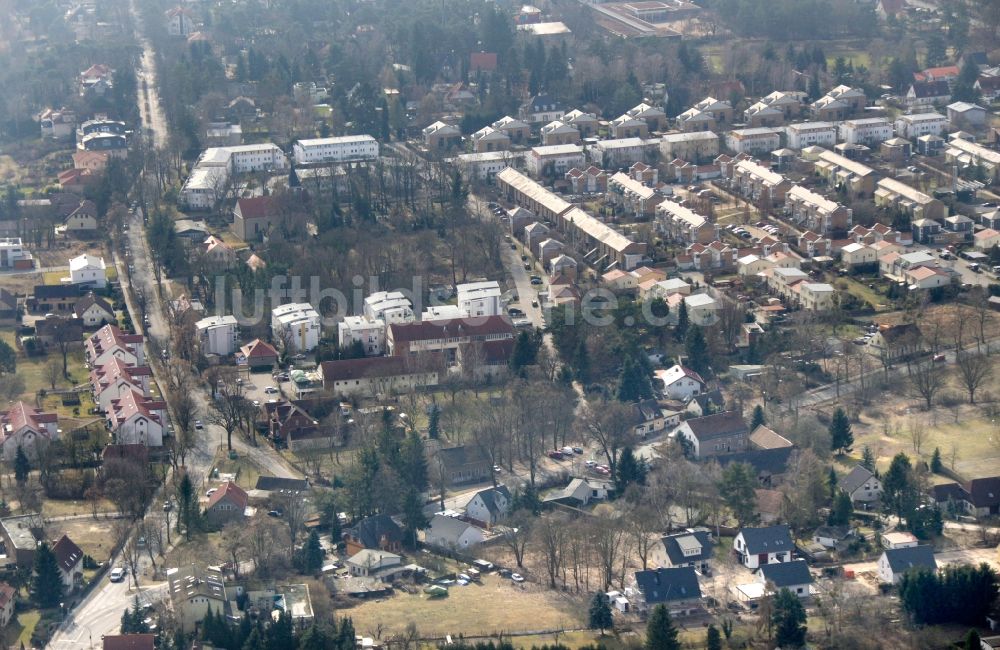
pixel 491 326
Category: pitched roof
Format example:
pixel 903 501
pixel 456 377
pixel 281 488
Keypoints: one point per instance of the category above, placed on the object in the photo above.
pixel 129 641
pixel 256 349
pixel 665 585
pixel 445 329
pixel 230 492
pixel 718 425
pixel 7 299
pixel 21 415
pixel 56 291
pixel 911 557
pixel 765 438
pixel 787 574
pixel 88 301
pixel 489 498
pixel 855 478
pixel 769 501
pixel 770 539
pixel 927 89
pixel 7 594
pixel 461 455
pixel 449 527
pixel 368 367
pixel 258 207
pixel 896 333
pixel 67 554
pixel 370 531
pixel 764 461
pixel 984 492
pixel 678 372
pixel 676 544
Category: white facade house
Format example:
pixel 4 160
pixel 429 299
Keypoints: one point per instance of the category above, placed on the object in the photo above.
pixel 451 533
pixel 349 148
pixel 206 184
pixel 297 324
pixel 857 253
pixel 88 270
pixel 893 563
pixel 680 383
pixel 918 124
pixel 554 159
pixel 14 254
pixel 249 158
pixel 867 131
pixel 204 187
pixel 218 335
pixel 370 332
pixel 389 307
pixel 809 134
pixel 753 141
pixel 759 546
pixel 480 298
pixel 702 309
pixel 487 164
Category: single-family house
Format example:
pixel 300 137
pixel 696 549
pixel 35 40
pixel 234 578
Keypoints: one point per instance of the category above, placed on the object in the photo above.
pixel 82 219
pixel 832 536
pixel 978 497
pixel 893 563
pixel 452 534
pixel 580 492
pixel 461 464
pixel 88 270
pixel 757 547
pixel 371 563
pixel 793 576
pixel 677 588
pixel 896 342
pixel 679 382
pixel 861 485
pixel 26 428
pixel 228 503
pixel 194 590
pixel 715 435
pixel 441 137
pixel 379 532
pixel 650 419
pixel 94 311
pixel 489 506
pixel 691 548
pixel 257 354
pixel 69 559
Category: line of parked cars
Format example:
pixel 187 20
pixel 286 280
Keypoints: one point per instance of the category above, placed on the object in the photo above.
pixel 565 452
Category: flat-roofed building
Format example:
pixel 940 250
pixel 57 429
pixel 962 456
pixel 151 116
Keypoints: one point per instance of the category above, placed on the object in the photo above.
pixel 868 131
pixel 695 146
pixel 753 141
pixel 810 134
pixel 554 160
pixel 622 153
pixel 919 124
pixel 348 148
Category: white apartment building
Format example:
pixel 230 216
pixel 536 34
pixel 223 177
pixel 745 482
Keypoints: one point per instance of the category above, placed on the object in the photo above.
pixel 554 160
pixel 88 270
pixel 257 158
pixel 808 134
pixel 389 307
pixel 348 148
pixel 918 124
pixel 297 324
pixel 694 147
pixel 370 333
pixel 480 298
pixel 13 254
pixel 204 187
pixel 487 164
pixel 218 335
pixel 621 152
pixel 206 184
pixel 753 141
pixel 868 131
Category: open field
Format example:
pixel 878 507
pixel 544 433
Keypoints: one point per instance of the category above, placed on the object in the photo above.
pixel 32 371
pixel 472 610
pixel 95 537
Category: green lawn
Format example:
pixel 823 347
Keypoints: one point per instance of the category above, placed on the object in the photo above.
pixel 32 370
pixel 861 291
pixel 26 622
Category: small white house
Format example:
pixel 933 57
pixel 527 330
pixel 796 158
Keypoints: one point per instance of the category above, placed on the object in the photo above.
pixel 489 506
pixel 88 270
pixel 452 534
pixel 759 546
pixel 793 576
pixel 861 485
pixel 895 562
pixel 678 382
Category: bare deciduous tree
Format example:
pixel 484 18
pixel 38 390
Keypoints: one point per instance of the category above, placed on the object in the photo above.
pixel 551 538
pixel 228 409
pixel 516 533
pixel 926 381
pixel 610 425
pixel 974 368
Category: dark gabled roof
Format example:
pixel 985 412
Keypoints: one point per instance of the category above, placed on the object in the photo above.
pixel 771 539
pixel 540 103
pixel 855 478
pixel 713 396
pixel 83 304
pixel 720 425
pixel 949 492
pixel 787 574
pixel 764 461
pixel 56 291
pixel 451 328
pixel 833 532
pixel 453 457
pixel 897 333
pixel 673 547
pixel 984 492
pixel 371 367
pixel 67 553
pixel 489 498
pixel 7 299
pixel 665 585
pixel 912 557
pixel 648 409
pixel 926 89
pixel 276 483
pixel 370 531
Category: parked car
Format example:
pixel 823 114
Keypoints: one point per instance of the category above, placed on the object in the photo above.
pixel 578 450
pixel 567 451
pixel 555 454
pixel 270 390
pixel 939 358
pixel 198 425
pixel 117 574
pixel 517 577
pixel 211 492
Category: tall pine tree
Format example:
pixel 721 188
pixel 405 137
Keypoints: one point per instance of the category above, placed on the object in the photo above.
pixel 697 351
pixel 46 583
pixel 789 620
pixel 661 633
pixel 599 617
pixel 841 435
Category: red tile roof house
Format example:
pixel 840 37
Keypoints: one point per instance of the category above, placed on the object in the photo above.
pixel 69 558
pixel 112 380
pixel 292 424
pixel 129 642
pixel 257 354
pixel 110 342
pixel 135 419
pixel 8 598
pixel 26 427
pixel 228 503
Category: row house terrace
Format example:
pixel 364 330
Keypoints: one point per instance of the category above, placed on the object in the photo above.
pixel 839 171
pixel 28 428
pixel 909 200
pixel 813 244
pixel 810 210
pixel 685 225
pixel 110 342
pixel 878 232
pixel 759 183
pixel 707 257
pixel 135 419
pixel 116 378
pixel 632 196
pixel 592 180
